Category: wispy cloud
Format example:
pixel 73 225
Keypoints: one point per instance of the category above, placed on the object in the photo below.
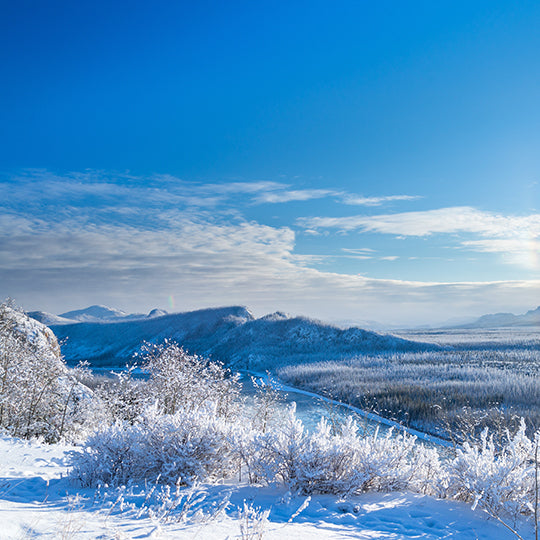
pixel 293 195
pixel 203 264
pixel 376 201
pixel 100 189
pixel 517 250
pixel 367 254
pixel 86 238
pixel 359 251
pixel 506 234
pixel 458 219
pixel 282 195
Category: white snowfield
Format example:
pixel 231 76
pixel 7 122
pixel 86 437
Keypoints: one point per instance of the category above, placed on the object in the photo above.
pixel 38 500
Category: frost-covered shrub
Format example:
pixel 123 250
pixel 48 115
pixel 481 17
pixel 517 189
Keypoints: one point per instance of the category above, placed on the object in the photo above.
pixel 398 462
pixel 183 446
pixel 124 397
pixel 39 395
pixel 325 462
pixel 266 404
pixel 177 424
pixel 183 382
pixel 502 482
pixel 276 454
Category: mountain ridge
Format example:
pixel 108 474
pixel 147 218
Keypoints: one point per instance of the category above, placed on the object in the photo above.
pixel 228 334
pixel 505 320
pixel 93 313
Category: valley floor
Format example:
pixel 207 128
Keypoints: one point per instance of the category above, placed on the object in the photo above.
pixel 38 500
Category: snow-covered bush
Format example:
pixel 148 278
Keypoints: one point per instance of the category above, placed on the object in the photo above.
pixel 253 522
pixel 183 382
pixel 502 482
pixel 39 395
pixel 168 448
pixel 186 423
pixel 180 423
pixel 275 455
pixel 327 462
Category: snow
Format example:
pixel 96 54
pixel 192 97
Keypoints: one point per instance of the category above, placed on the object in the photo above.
pixel 38 500
pixel 157 313
pixel 48 318
pixel 36 333
pixel 94 314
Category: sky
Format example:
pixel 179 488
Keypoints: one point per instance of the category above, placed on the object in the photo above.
pixel 350 161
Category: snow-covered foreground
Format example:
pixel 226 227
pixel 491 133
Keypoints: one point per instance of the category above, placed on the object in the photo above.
pixel 37 500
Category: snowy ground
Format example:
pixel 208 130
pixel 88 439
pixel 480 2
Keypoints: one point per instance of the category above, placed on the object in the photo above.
pixel 37 500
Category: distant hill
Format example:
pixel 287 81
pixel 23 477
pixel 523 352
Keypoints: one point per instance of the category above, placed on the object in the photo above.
pixel 94 314
pixel 48 318
pixel 97 314
pixel 157 313
pixel 504 320
pixel 280 339
pixel 229 334
pixel 115 342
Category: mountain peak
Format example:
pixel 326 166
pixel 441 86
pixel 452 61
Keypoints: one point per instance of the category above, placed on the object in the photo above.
pixel 156 312
pixel 276 316
pixel 94 313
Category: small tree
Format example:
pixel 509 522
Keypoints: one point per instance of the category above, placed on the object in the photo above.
pixel 267 402
pixel 180 381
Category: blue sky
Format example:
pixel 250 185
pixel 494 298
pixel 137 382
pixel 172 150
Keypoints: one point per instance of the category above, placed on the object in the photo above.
pixel 344 160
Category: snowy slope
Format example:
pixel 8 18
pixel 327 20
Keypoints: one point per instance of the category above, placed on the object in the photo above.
pixel 37 500
pixel 35 332
pixel 94 314
pixel 229 334
pixel 278 338
pixel 48 318
pixel 115 343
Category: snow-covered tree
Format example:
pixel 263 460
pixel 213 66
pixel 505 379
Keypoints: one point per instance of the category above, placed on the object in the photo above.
pixel 39 395
pixel 181 381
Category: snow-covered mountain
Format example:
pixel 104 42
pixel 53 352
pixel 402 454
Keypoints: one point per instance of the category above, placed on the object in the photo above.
pixel 94 314
pixel 229 334
pixel 502 320
pixel 157 313
pixel 115 342
pixel 48 318
pixel 279 339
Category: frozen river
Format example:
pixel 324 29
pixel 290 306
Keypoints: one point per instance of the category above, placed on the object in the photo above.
pixel 311 407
